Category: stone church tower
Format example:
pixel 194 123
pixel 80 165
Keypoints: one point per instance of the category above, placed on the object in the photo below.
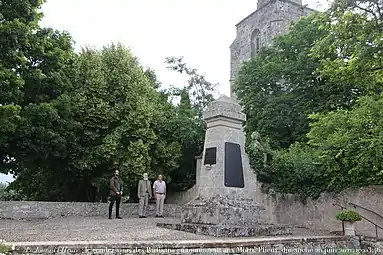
pixel 272 18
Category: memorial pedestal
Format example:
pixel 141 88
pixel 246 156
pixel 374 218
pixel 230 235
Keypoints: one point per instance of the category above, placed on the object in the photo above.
pixel 223 211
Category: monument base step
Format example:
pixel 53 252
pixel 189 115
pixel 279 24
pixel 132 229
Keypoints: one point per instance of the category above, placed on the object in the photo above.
pixel 229 231
pixel 223 210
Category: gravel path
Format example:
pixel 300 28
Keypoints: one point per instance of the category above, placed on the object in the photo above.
pixel 91 228
pixel 102 229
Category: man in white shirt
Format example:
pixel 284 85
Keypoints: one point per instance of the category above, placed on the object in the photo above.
pixel 159 191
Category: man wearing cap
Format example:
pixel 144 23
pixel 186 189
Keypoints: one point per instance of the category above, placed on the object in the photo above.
pixel 144 193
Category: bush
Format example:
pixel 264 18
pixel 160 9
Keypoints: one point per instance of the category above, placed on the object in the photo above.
pixel 8 194
pixel 4 249
pixel 296 170
pixel 348 215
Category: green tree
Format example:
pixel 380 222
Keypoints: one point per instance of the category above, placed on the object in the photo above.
pixel 122 119
pixel 280 86
pixel 166 152
pixel 111 115
pixel 35 66
pixel 323 65
pixel 67 118
pixel 7 194
pixel 188 126
pixel 18 22
pixel 190 133
pixel 201 92
pixel 350 143
pixel 345 143
pixel 296 170
pixel 356 31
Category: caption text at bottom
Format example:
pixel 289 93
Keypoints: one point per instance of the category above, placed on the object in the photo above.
pixel 39 250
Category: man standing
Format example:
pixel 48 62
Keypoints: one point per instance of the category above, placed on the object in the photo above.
pixel 115 194
pixel 144 193
pixel 159 190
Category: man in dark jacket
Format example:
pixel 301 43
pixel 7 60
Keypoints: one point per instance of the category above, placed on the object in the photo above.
pixel 115 194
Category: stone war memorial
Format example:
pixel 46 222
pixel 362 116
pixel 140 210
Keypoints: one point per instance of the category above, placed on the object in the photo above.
pixel 225 212
pixel 225 204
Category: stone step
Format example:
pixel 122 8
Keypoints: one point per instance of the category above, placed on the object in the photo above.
pixel 228 231
pixel 266 245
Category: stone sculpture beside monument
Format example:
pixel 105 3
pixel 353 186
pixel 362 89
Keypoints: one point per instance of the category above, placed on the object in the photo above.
pixel 256 138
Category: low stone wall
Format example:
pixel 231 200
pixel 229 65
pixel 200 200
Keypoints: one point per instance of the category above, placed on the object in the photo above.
pixel 44 210
pixel 183 197
pixel 315 214
pixel 320 214
pixel 289 245
pixel 187 196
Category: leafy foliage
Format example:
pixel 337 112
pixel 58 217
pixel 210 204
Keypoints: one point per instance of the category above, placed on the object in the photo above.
pixel 67 118
pixel 189 128
pixel 348 215
pixel 351 143
pixel 108 117
pixel 315 97
pixel 7 194
pixel 34 72
pixel 350 140
pixel 5 249
pixel 294 170
pixel 356 32
pixel 280 86
pixel 201 92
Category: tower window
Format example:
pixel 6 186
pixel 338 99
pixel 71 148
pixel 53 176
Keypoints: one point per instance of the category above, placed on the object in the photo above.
pixel 255 42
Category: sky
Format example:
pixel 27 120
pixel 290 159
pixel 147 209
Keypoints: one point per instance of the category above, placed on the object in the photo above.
pixel 199 30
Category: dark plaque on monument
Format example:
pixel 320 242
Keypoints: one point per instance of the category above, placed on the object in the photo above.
pixel 210 156
pixel 233 166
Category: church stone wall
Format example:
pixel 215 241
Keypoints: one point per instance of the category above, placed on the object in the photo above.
pixel 272 19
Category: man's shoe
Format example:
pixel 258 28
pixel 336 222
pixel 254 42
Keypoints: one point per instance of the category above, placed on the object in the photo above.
pixel 156 216
pixel 109 218
pixel 118 217
pixel 140 216
pixel 143 216
pixel 161 216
